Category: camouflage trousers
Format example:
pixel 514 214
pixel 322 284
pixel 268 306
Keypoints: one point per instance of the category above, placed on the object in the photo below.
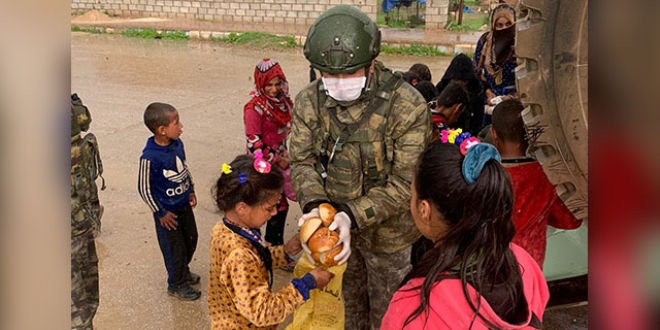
pixel 369 283
pixel 84 281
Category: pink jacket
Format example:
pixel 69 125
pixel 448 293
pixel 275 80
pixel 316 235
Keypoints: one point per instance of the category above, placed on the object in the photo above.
pixel 450 310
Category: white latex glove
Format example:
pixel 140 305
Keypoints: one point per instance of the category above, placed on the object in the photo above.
pixel 314 213
pixel 342 223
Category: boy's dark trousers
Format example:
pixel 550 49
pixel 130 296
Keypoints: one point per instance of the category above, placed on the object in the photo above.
pixel 178 246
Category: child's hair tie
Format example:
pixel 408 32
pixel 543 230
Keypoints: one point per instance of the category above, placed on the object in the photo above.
pixel 242 178
pixel 226 168
pixel 457 137
pixel 468 143
pixel 476 153
pixel 475 159
pixel 451 136
pixel 260 164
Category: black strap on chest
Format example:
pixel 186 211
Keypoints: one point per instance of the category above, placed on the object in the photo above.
pixel 382 95
pixel 90 138
pixel 264 253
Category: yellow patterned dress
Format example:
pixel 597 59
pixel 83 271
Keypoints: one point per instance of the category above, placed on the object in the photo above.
pixel 239 295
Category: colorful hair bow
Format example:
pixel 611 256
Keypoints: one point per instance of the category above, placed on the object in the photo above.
pixel 476 153
pixel 468 143
pixel 242 178
pixel 457 137
pixel 461 137
pixel 260 164
pixel 226 168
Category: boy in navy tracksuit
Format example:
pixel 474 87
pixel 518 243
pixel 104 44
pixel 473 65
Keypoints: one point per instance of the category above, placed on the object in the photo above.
pixel 165 184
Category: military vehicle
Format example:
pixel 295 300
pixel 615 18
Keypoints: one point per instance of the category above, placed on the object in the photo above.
pixel 552 77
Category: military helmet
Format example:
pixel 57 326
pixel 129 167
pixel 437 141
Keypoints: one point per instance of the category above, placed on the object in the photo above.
pixel 80 116
pixel 343 39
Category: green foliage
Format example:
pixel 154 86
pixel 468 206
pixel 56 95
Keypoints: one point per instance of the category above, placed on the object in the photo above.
pixel 258 39
pixel 140 33
pixel 413 49
pixel 453 26
pixel 110 15
pixel 403 23
pixel 396 24
pixel 175 35
pixel 93 30
pixel 153 34
pixel 380 16
pixel 469 24
pixel 232 38
pixel 417 22
pixel 473 4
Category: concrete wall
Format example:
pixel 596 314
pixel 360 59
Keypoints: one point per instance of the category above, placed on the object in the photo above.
pixel 246 12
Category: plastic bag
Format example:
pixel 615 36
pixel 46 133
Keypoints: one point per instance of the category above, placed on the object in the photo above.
pixel 324 310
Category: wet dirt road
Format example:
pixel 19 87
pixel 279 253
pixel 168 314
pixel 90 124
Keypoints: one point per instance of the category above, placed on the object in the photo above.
pixel 117 77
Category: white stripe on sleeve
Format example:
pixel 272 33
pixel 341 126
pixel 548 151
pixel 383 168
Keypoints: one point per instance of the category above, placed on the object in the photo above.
pixel 144 185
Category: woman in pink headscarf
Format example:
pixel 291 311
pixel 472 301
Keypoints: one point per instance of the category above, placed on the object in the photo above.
pixel 267 118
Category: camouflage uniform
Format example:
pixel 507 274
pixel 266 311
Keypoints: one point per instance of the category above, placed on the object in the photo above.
pixel 371 175
pixel 84 216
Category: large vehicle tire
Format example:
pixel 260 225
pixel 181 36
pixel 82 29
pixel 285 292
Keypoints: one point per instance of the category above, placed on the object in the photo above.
pixel 552 51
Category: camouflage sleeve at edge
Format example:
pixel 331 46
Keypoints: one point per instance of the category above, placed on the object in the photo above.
pixel 306 181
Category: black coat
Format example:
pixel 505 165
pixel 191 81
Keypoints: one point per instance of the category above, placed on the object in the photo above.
pixel 462 67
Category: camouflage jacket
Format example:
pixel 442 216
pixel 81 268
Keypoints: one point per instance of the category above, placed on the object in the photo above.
pixel 372 170
pixel 84 198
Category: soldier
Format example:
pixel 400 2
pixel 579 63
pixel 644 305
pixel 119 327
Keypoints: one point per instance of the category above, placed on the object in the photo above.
pixel 356 135
pixel 85 219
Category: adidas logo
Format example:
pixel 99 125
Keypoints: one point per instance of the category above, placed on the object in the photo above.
pixel 179 176
pixel 171 192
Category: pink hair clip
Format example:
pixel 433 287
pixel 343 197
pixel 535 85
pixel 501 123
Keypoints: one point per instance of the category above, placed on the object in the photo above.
pixel 260 164
pixel 444 136
pixel 469 143
pixel 462 139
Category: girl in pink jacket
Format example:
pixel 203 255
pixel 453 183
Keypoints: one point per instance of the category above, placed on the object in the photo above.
pixel 267 118
pixel 474 277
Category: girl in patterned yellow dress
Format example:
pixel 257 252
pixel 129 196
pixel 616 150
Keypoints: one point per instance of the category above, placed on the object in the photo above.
pixel 241 275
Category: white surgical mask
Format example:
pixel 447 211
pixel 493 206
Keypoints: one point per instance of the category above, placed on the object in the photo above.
pixel 344 89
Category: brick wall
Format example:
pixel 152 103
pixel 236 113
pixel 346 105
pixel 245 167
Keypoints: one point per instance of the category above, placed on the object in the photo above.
pixel 436 14
pixel 300 13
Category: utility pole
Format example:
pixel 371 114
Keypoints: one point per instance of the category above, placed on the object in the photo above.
pixel 460 12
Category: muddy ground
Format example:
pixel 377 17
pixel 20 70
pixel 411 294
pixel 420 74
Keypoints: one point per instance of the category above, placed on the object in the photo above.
pixel 117 77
